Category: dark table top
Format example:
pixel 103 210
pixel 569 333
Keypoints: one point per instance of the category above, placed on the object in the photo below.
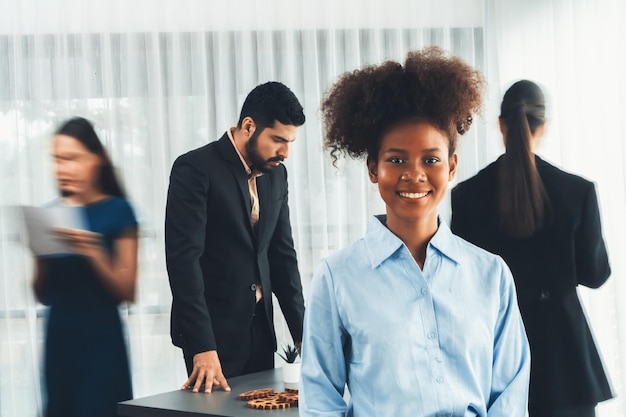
pixel 219 403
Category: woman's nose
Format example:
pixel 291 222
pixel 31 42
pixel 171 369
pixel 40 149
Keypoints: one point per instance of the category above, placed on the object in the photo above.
pixel 414 175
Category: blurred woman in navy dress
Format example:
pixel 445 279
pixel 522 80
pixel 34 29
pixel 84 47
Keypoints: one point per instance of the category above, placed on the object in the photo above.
pixel 86 362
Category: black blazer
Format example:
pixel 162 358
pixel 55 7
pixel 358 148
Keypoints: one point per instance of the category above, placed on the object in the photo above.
pixel 214 259
pixel 568 251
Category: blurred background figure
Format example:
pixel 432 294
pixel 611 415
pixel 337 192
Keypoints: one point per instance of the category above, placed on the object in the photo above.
pixel 545 223
pixel 86 363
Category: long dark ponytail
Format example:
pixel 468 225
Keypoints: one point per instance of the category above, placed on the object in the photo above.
pixel 82 130
pixel 522 200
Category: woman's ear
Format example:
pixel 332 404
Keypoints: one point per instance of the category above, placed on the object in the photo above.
pixel 452 163
pixel 372 170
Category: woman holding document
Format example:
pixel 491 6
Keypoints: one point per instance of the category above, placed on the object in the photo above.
pixel 86 363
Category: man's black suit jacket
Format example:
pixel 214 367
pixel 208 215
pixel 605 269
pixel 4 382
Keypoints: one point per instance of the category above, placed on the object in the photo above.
pixel 214 259
pixel 569 250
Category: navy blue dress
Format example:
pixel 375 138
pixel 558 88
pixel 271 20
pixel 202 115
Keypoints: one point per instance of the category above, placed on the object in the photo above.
pixel 86 363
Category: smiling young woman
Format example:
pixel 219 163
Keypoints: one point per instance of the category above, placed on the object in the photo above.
pixel 412 171
pixel 393 306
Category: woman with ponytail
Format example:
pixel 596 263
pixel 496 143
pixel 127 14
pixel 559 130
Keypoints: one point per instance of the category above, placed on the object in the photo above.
pixel 522 199
pixel 545 223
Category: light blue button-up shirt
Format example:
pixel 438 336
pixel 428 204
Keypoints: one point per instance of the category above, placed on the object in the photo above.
pixel 447 340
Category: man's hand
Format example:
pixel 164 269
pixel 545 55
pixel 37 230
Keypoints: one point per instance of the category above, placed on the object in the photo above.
pixel 207 370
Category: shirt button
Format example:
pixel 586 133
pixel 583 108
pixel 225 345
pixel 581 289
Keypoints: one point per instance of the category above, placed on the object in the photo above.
pixel 431 335
pixel 253 287
pixel 424 291
pixel 439 380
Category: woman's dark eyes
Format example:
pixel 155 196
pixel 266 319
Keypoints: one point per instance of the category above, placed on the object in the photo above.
pixel 428 161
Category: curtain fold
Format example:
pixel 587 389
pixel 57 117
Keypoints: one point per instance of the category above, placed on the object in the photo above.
pixel 160 77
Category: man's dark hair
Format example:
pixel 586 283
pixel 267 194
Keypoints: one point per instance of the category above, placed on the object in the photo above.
pixel 270 102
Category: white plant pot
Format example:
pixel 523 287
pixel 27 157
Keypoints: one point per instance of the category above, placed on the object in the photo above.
pixel 291 373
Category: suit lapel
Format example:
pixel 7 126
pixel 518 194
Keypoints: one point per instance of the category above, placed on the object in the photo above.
pixel 236 167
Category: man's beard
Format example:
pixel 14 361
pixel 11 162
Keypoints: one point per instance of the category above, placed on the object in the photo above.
pixel 66 193
pixel 256 160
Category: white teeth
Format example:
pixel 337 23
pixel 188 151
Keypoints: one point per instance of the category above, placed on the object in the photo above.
pixel 413 195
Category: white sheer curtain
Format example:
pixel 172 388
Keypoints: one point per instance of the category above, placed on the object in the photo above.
pixel 159 77
pixel 576 49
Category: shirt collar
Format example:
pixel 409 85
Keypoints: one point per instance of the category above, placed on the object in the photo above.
pixel 446 243
pixel 382 243
pixel 249 171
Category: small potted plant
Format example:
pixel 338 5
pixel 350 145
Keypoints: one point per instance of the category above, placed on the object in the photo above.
pixel 291 368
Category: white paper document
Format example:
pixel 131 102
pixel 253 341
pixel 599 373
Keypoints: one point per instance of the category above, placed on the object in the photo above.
pixel 41 221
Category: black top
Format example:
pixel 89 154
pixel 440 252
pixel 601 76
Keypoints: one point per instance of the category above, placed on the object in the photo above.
pixel 547 267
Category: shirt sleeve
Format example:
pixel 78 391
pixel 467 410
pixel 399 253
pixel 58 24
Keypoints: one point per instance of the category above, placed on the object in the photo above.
pixel 592 262
pixel 511 357
pixel 323 373
pixel 185 228
pixel 126 216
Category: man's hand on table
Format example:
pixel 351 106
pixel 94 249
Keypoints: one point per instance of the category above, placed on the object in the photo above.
pixel 207 370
